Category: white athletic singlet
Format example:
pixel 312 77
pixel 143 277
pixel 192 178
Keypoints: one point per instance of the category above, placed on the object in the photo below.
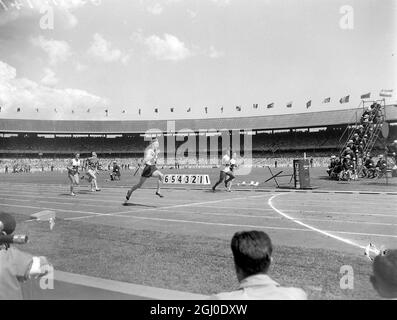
pixel 225 163
pixel 75 163
pixel 150 157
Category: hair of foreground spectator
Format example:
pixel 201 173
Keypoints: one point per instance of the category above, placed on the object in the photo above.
pixel 385 273
pixel 252 252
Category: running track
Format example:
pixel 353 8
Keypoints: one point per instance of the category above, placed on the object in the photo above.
pixel 344 222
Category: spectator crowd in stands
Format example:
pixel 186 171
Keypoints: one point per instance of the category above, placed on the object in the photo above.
pixel 262 142
pixel 356 159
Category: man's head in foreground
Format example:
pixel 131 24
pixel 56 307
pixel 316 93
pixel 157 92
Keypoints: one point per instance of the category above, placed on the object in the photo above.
pixel 252 252
pixel 384 278
pixel 7 223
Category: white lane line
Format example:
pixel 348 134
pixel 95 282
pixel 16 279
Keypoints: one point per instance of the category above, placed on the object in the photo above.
pixel 45 208
pixel 169 207
pixel 87 197
pixel 92 214
pixel 326 233
pixel 239 208
pixel 322 192
pixel 206 213
pixel 374 207
pixel 96 214
pixel 222 214
pixel 94 197
pixel 200 222
pixel 306 211
pixel 278 217
pixel 236 225
pixel 71 203
pixel 80 197
pixel 82 194
pixel 203 213
pixel 363 234
pixel 82 186
pixel 35 199
pixel 346 213
pixel 359 203
pixel 109 192
pixel 65 188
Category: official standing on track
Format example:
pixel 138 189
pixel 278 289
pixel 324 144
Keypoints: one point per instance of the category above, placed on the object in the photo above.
pixel 115 172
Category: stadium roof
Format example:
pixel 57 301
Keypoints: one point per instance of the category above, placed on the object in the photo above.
pixel 288 121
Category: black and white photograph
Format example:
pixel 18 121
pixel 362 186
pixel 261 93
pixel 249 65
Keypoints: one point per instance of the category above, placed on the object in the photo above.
pixel 195 153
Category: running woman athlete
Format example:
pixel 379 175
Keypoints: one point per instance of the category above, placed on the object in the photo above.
pixel 225 171
pixel 92 165
pixel 150 170
pixel 73 172
pixel 232 166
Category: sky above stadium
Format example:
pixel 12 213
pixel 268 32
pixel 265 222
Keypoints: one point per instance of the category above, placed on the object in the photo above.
pixel 75 59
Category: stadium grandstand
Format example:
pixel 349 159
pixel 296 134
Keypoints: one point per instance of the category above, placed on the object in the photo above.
pixel 282 137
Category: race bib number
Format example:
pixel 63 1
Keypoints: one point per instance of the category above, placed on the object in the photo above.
pixel 187 179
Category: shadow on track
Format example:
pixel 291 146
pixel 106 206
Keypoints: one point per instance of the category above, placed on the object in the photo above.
pixel 137 205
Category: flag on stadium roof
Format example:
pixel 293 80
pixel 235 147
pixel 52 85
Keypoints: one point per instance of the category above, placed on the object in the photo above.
pixel 206 109
pixel 72 111
pixel 271 105
pixel 156 110
pixel 139 111
pixel 18 109
pixel 0 109
pixel 221 109
pixel 327 100
pixel 88 110
pixel 255 106
pixel 308 104
pixel 238 108
pixel 56 111
pixel 106 111
pixel 172 109
pixel 123 111
pixel 386 93
pixel 37 109
pixel 289 104
pixel 366 96
pixel 189 109
pixel 344 99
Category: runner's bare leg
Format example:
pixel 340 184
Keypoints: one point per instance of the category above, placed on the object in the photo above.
pixel 160 176
pixel 137 186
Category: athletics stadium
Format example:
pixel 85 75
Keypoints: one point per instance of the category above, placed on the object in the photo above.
pixel 190 227
pixel 137 138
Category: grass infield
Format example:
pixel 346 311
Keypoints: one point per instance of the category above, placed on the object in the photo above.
pixel 194 264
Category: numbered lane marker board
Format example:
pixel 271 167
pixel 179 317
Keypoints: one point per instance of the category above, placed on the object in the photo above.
pixel 186 179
